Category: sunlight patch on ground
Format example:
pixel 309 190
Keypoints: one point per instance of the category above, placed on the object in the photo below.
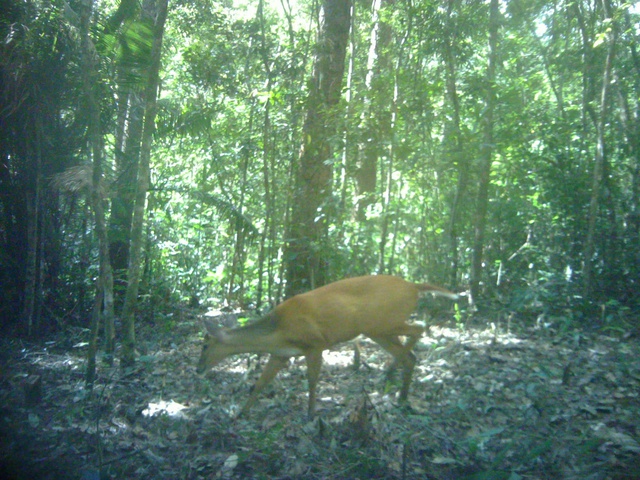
pixel 53 361
pixel 170 408
pixel 234 366
pixel 341 358
pixel 478 337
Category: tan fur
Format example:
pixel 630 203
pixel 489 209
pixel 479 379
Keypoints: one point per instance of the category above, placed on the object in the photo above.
pixel 376 306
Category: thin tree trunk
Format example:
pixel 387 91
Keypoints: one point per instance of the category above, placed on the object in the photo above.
pixel 32 256
pixel 264 253
pixel 629 112
pixel 122 203
pixel 385 218
pixel 486 156
pixel 42 265
pixel 135 253
pixel 128 135
pixel 600 157
pixel 295 114
pixel 394 240
pixel 374 121
pixel 34 231
pixel 347 133
pixel 94 326
pixel 457 156
pixel 236 295
pixel 104 284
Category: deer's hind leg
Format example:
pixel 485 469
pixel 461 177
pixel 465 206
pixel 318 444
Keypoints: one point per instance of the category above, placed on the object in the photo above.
pixel 402 353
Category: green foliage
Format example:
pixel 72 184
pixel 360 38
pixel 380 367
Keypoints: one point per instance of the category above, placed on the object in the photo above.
pixel 231 110
pixel 540 174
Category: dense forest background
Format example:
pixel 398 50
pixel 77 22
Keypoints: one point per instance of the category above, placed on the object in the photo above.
pixel 229 154
pixel 163 160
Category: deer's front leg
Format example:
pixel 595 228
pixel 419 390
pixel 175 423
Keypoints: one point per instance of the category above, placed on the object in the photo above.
pixel 271 369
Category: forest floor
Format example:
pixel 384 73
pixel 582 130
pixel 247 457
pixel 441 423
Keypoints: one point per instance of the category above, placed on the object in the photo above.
pixel 486 404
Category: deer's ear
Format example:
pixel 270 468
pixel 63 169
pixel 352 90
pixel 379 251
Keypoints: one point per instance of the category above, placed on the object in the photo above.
pixel 210 327
pixel 213 330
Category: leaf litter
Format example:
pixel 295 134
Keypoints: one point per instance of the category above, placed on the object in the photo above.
pixel 484 404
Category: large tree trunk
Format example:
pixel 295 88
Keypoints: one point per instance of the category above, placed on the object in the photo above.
pixel 135 252
pixel 485 157
pixel 312 191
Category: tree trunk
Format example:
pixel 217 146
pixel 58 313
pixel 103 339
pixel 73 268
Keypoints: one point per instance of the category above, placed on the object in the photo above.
pixel 128 135
pixel 266 238
pixel 94 326
pixel 104 283
pixel 629 110
pixel 486 156
pixel 235 288
pixel 124 192
pixel 32 200
pixel 457 148
pixel 600 157
pixel 135 252
pixel 375 118
pixel 305 267
pixel 385 216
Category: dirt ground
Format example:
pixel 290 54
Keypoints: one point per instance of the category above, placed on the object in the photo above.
pixel 487 403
